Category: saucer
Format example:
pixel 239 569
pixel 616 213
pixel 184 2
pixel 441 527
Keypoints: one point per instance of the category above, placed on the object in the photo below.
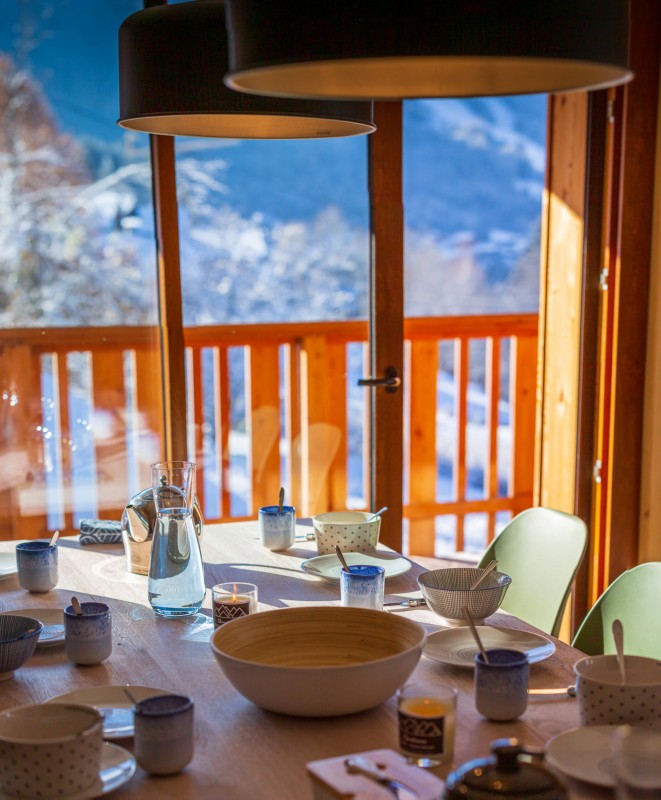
pixel 584 753
pixel 328 566
pixel 7 565
pixel 117 768
pixel 457 647
pixel 52 620
pixel 113 703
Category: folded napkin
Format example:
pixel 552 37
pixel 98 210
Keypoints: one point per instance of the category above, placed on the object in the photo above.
pixel 100 531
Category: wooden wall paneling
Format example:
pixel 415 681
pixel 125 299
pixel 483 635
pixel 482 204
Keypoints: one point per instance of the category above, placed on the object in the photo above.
pixel 422 465
pixel 461 374
pixel 264 424
pixel 595 360
pixel 631 285
pixel 109 430
pixel 387 315
pixel 562 270
pixel 169 295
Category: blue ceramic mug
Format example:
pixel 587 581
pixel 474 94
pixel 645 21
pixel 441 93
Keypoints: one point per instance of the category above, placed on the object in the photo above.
pixel 37 565
pixel 362 586
pixel 501 685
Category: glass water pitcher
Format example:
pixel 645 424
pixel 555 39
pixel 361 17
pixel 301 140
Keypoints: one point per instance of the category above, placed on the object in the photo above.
pixel 176 574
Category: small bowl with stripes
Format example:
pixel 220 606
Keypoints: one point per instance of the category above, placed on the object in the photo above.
pixel 447 592
pixel 18 639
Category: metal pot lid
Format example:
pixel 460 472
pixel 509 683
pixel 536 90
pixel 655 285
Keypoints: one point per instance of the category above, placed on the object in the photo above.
pixel 503 775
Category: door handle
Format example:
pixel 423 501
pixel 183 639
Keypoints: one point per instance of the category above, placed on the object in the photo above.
pixel 391 381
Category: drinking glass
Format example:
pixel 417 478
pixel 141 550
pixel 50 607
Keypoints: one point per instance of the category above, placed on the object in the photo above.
pixel 176 575
pixel 637 761
pixel 427 721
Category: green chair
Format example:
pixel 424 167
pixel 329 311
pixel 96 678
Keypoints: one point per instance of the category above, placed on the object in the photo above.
pixel 540 549
pixel 633 598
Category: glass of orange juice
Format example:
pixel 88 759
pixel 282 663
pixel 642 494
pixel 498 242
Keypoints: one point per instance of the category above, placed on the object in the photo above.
pixel 427 721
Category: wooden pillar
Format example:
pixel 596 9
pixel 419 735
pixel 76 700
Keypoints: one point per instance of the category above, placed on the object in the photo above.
pixel 169 296
pixel 387 316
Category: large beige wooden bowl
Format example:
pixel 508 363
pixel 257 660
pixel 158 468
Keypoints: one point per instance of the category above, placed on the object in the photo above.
pixel 318 662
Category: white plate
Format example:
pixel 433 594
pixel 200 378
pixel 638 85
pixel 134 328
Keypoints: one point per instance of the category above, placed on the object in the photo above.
pixel 113 703
pixel 53 622
pixel 584 753
pixel 456 646
pixel 7 565
pixel 117 768
pixel 329 567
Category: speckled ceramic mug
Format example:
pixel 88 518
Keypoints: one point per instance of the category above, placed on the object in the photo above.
pixel 88 637
pixel 164 733
pixel 36 563
pixel 501 684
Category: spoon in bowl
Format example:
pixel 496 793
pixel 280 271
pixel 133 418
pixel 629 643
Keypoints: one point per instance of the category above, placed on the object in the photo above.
pixel 75 602
pixel 53 539
pixel 376 514
pixel 489 568
pixel 618 636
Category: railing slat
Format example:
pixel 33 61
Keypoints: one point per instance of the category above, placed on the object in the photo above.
pixel 264 420
pixel 493 397
pixel 109 402
pixel 461 416
pixel 523 378
pixel 222 391
pixel 61 374
pixel 337 419
pixel 292 383
pixel 422 442
pixel 149 404
pixel 198 421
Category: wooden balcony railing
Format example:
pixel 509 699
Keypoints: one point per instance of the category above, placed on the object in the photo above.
pixel 271 404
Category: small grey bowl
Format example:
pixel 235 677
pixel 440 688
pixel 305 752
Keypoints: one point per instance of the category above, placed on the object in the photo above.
pixel 18 639
pixel 447 591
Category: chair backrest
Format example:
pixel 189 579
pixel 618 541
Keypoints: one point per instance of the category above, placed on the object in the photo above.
pixel 541 550
pixel 634 598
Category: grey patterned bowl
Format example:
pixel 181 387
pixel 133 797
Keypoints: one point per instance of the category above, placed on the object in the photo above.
pixel 447 591
pixel 18 638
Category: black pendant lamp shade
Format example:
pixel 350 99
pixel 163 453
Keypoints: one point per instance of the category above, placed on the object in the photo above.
pixel 172 60
pixel 387 49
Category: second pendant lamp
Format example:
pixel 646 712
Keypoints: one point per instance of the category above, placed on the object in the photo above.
pixel 388 49
pixel 172 60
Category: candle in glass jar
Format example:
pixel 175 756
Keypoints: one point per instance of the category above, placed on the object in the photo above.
pixel 233 601
pixel 427 721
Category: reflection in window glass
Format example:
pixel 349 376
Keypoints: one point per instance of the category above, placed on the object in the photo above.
pixel 473 181
pixel 274 232
pixel 77 263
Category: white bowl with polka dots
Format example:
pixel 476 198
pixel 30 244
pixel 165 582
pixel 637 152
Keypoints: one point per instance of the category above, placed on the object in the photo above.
pixel 604 700
pixel 347 529
pixel 49 750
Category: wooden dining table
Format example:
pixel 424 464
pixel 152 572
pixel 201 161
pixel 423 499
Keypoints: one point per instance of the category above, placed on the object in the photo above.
pixel 241 751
